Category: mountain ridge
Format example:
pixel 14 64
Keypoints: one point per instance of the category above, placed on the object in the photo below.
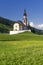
pixel 5 25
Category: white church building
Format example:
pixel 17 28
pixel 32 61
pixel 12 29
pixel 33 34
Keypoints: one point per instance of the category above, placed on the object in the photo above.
pixel 20 26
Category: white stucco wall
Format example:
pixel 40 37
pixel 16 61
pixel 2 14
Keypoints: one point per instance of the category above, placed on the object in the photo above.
pixel 16 26
pixel 24 20
pixel 16 32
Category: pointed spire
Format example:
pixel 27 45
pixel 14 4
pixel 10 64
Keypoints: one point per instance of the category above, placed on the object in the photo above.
pixel 25 13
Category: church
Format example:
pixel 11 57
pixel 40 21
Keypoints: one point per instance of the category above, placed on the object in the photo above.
pixel 20 26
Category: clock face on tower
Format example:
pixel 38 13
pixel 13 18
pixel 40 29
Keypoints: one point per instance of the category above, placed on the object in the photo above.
pixel 24 21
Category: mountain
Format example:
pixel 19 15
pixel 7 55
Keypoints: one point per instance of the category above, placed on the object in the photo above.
pixel 5 25
pixel 36 31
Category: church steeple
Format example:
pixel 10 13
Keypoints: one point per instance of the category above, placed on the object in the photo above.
pixel 25 18
pixel 25 13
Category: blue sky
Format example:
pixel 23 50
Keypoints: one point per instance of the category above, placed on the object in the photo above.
pixel 13 9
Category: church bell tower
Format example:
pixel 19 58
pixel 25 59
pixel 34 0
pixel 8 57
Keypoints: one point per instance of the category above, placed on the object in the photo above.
pixel 25 18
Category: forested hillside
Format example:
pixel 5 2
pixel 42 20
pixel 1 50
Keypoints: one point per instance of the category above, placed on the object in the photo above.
pixel 5 25
pixel 36 31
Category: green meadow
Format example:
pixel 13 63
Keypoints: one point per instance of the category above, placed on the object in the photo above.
pixel 21 49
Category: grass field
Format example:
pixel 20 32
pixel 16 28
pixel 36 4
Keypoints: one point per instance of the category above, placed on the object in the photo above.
pixel 21 49
pixel 21 37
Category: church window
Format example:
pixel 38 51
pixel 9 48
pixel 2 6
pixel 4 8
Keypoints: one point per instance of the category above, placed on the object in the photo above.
pixel 15 29
pixel 16 26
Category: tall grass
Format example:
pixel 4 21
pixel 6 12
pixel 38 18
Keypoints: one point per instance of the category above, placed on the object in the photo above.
pixel 21 53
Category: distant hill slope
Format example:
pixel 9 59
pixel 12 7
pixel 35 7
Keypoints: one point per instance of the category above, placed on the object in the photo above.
pixel 5 25
pixel 36 31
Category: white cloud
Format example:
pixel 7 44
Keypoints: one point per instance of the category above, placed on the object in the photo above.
pixel 32 24
pixel 40 26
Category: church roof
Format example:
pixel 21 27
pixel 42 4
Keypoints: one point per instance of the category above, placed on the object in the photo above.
pixel 20 22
